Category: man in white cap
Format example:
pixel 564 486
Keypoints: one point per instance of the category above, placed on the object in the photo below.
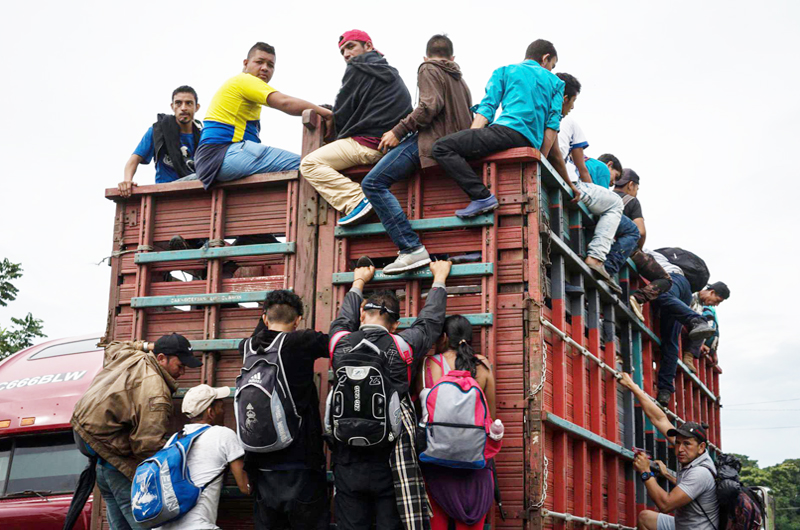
pixel 211 453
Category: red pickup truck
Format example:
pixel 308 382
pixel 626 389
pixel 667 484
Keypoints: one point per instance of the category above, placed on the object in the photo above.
pixel 39 463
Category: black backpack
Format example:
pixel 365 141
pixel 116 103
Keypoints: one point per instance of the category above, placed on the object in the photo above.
pixel 363 406
pixel 740 507
pixel 694 268
pixel 266 416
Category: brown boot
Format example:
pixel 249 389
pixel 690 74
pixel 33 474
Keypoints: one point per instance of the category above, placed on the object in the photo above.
pixel 688 360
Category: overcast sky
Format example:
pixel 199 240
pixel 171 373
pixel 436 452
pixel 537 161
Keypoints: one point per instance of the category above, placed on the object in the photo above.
pixel 697 97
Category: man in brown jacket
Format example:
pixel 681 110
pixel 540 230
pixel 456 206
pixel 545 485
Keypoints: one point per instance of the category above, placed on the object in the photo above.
pixel 443 109
pixel 124 416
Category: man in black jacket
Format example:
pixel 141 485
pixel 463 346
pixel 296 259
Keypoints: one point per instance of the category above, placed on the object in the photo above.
pixel 368 478
pixel 371 101
pixel 290 484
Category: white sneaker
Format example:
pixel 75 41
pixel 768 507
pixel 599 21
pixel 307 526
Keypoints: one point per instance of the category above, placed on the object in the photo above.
pixel 407 262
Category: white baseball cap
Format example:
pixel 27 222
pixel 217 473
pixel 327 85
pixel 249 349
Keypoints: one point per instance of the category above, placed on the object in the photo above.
pixel 200 397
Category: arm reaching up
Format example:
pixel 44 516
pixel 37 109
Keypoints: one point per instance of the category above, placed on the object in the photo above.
pixel 656 416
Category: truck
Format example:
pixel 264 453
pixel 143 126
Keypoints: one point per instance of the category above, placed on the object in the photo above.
pixel 557 353
pixel 39 462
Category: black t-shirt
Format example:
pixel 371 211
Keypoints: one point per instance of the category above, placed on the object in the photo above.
pixel 300 350
pixel 633 209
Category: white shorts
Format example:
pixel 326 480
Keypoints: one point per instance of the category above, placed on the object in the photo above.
pixel 665 522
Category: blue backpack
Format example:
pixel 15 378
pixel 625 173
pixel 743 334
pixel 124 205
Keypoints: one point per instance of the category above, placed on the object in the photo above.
pixel 162 490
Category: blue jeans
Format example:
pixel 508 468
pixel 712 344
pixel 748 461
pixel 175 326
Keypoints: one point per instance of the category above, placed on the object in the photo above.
pixel 116 490
pixel 395 166
pixel 250 158
pixel 675 313
pixel 625 242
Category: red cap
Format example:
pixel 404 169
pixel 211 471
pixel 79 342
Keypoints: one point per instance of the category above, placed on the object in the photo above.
pixel 354 34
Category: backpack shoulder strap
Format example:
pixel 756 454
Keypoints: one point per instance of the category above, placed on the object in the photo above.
pixel 426 370
pixel 697 501
pixel 339 335
pixel 626 199
pixel 405 352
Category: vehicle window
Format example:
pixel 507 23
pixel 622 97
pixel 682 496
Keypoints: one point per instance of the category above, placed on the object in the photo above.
pixel 5 453
pixel 49 462
pixel 57 350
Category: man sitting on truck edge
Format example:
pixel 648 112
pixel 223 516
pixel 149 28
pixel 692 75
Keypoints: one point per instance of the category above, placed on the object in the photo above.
pixel 171 141
pixel 531 97
pixel 383 484
pixel 443 108
pixel 124 416
pixel 676 313
pixel 599 200
pixel 371 100
pixel 212 452
pixel 291 484
pixel 694 497
pixel 230 147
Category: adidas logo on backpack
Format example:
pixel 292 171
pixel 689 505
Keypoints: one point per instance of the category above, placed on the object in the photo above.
pixel 266 416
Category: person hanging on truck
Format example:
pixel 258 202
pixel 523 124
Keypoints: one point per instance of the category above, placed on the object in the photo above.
pixel 599 200
pixel 211 454
pixel 376 472
pixel 371 100
pixel 443 108
pixel 698 348
pixel 689 274
pixel 290 483
pixel 171 141
pixel 460 496
pixel 626 186
pixel 531 97
pixel 230 147
pixel 124 416
pixel 694 498
pixel 603 171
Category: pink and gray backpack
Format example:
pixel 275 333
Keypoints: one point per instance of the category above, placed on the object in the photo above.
pixel 456 420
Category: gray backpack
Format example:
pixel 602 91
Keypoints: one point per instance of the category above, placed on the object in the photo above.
pixel 266 416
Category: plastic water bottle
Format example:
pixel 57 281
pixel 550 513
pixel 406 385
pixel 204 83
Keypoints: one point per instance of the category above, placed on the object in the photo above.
pixel 496 430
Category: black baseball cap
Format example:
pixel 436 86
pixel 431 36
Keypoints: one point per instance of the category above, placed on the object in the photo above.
pixel 721 289
pixel 628 175
pixel 180 347
pixel 690 429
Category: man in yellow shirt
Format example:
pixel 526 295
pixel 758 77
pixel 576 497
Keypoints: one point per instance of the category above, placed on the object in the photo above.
pixel 230 147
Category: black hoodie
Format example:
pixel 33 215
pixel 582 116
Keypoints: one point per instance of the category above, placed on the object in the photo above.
pixel 372 98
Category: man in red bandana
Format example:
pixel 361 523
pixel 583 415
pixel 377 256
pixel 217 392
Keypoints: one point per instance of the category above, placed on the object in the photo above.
pixel 371 101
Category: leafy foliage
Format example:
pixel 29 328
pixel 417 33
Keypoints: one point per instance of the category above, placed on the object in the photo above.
pixel 784 481
pixel 22 330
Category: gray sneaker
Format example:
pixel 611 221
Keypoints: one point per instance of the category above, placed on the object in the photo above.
pixel 407 262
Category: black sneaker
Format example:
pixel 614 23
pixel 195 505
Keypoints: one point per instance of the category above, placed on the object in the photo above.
pixel 178 243
pixel 664 397
pixel 701 330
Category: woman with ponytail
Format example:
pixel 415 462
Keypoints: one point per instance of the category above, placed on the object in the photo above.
pixel 463 496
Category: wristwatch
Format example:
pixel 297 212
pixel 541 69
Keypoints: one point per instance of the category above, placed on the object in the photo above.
pixel 647 475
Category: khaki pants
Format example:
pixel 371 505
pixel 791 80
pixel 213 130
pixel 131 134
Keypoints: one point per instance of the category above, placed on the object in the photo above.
pixel 321 169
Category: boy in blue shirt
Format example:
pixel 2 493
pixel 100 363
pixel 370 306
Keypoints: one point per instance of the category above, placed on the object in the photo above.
pixel 171 140
pixel 531 97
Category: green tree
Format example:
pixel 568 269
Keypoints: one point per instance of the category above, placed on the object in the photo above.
pixel 22 330
pixel 784 481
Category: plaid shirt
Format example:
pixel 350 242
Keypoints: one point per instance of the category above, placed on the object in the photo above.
pixel 409 486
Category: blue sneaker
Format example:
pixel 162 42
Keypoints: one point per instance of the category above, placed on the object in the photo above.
pixel 478 207
pixel 359 213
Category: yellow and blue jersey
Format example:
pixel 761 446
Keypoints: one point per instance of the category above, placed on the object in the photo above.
pixel 235 111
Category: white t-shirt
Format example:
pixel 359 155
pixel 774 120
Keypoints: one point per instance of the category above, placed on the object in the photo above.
pixel 211 452
pixel 570 137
